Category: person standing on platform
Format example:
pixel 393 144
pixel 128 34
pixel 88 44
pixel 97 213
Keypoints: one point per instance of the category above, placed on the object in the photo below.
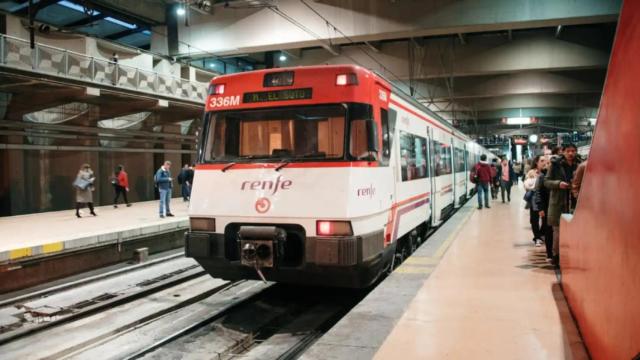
pixel 164 182
pixel 84 188
pixel 185 178
pixel 120 182
pixel 558 181
pixel 540 204
pixel 481 175
pixel 506 175
pixel 576 184
pixel 530 183
pixel 495 183
pixel 517 167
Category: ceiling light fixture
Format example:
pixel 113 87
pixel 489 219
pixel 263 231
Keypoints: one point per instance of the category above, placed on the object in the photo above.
pixel 181 11
pixel 517 120
pixel 283 57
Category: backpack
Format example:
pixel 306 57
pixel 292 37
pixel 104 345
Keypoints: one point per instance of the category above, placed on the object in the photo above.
pixel 473 177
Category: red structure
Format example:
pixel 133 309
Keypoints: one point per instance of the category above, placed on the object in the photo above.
pixel 600 246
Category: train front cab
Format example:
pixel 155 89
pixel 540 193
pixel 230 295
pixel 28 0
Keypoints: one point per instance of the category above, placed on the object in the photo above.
pixel 328 221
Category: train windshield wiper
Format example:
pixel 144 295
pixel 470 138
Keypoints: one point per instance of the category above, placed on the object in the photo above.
pixel 229 166
pixel 282 165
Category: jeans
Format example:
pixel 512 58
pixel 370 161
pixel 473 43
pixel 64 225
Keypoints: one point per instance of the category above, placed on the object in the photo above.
pixel 483 190
pixel 165 198
pixel 186 191
pixel 505 186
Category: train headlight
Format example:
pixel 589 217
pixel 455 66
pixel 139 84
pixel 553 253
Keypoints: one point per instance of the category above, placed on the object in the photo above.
pixel 333 228
pixel 202 224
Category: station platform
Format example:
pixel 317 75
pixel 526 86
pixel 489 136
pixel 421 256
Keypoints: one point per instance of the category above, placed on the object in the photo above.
pixel 478 288
pixel 50 233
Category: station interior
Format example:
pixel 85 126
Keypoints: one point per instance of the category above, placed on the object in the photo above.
pixel 274 129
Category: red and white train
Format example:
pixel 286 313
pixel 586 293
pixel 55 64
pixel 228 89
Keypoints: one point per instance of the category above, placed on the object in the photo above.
pixel 320 175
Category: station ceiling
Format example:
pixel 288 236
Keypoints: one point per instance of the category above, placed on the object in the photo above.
pixel 473 62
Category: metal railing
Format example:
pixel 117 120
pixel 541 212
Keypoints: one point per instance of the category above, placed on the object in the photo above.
pixel 17 53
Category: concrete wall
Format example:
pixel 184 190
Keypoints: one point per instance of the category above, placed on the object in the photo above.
pixel 36 181
pixel 600 245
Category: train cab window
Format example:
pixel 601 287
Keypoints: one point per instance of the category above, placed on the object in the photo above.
pixel 413 156
pixel 314 132
pixel 388 120
pixel 359 114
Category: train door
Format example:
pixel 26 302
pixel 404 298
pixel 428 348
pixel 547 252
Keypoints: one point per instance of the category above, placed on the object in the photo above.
pixel 432 176
pixel 465 153
pixel 454 169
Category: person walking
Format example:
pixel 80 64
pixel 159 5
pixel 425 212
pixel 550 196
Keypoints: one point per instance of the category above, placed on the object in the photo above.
pixel 184 179
pixel 517 168
pixel 164 181
pixel 481 175
pixel 120 182
pixel 84 189
pixel 506 175
pixel 530 183
pixel 558 181
pixel 495 184
pixel 540 204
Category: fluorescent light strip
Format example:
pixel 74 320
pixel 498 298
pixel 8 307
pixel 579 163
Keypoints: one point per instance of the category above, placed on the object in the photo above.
pixel 70 5
pixel 121 23
pixel 518 121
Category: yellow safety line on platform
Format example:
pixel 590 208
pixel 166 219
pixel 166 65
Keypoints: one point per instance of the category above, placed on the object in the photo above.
pixel 19 253
pixel 445 245
pixel 53 247
pixel 408 269
pixel 421 260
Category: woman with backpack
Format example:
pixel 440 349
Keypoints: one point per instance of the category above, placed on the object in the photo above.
pixel 120 182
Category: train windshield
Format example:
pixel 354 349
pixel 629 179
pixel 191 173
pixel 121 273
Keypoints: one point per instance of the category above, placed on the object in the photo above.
pixel 296 134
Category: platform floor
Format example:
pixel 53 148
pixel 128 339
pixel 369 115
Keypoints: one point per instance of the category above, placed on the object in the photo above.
pixel 50 232
pixel 492 296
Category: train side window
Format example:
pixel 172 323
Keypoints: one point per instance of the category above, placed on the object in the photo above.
pixel 413 162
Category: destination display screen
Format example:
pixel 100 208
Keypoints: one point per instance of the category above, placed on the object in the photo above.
pixel 277 95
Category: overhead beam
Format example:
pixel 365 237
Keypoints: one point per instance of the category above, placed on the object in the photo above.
pixel 487 54
pixel 258 30
pixel 36 7
pixel 86 21
pixel 124 33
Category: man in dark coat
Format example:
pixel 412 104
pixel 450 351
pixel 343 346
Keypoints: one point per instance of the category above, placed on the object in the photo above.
pixel 482 176
pixel 558 181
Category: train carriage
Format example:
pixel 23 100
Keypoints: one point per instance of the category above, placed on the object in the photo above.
pixel 319 175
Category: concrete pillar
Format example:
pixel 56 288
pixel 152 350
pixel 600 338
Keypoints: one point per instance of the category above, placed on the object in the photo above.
pixel 173 45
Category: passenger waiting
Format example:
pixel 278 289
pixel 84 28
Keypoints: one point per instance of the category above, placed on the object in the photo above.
pixel 540 204
pixel 530 183
pixel 576 184
pixel 84 188
pixel 481 176
pixel 495 182
pixel 506 175
pixel 120 182
pixel 558 181
pixel 164 181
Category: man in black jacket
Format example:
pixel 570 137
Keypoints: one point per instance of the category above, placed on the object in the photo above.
pixel 558 182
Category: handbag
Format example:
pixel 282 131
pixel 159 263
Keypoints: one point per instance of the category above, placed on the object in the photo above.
pixel 81 183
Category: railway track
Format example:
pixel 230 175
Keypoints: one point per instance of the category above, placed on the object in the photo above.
pixel 168 308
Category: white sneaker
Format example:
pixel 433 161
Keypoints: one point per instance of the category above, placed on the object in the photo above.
pixel 539 243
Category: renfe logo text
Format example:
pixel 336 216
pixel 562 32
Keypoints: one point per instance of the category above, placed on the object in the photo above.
pixel 267 185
